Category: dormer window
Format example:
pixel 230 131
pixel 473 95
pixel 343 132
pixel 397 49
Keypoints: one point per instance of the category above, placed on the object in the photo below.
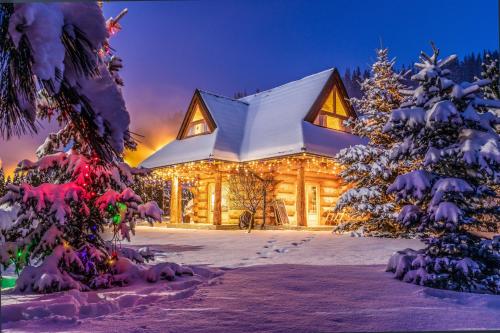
pixel 197 121
pixel 333 112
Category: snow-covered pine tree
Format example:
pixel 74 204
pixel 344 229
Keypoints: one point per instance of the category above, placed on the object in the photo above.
pixel 66 199
pixel 491 71
pixel 54 65
pixel 452 131
pixel 368 167
pixel 57 234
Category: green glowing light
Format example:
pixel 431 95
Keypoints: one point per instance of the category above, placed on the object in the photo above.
pixel 116 219
pixel 8 281
pixel 121 206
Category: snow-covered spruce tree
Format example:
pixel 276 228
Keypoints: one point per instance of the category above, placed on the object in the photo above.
pixel 368 167
pixel 56 237
pixel 57 55
pixel 452 130
pixel 491 72
pixel 66 199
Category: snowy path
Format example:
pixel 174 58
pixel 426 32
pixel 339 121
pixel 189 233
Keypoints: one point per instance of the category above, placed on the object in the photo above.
pixel 231 249
pixel 275 281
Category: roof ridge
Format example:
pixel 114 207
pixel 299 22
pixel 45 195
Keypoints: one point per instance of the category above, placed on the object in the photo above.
pixel 288 83
pixel 220 96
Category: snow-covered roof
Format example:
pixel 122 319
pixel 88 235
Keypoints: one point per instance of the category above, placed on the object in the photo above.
pixel 263 125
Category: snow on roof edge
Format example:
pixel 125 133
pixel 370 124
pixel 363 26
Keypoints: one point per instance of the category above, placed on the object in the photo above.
pixel 221 96
pixel 331 69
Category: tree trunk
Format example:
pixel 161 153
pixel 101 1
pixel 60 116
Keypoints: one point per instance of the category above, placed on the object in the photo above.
pixel 250 225
pixel 264 211
pixel 217 219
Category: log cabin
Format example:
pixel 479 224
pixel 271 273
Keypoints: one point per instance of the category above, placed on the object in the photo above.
pixel 290 133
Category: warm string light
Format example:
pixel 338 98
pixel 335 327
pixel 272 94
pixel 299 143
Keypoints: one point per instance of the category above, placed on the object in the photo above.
pixel 190 173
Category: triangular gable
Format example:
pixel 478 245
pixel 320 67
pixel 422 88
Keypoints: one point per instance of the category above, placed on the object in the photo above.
pixel 198 120
pixel 331 107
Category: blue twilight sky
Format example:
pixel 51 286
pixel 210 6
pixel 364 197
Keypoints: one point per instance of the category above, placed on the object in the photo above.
pixel 169 48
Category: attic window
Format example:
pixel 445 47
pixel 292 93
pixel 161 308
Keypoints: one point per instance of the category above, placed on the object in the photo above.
pixel 198 124
pixel 333 112
pixel 197 121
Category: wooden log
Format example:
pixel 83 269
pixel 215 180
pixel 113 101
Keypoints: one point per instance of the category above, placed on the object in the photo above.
pixel 217 220
pixel 175 201
pixel 300 202
pixel 287 200
pixel 235 214
pixel 291 211
pixel 203 204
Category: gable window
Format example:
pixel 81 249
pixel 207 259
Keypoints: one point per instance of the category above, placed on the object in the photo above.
pixel 333 112
pixel 197 121
pixel 198 124
pixel 197 128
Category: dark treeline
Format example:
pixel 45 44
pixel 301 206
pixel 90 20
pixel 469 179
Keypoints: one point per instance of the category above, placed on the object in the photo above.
pixel 464 69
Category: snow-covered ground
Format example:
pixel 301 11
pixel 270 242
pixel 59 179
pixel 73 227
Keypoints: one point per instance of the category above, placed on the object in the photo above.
pixel 273 281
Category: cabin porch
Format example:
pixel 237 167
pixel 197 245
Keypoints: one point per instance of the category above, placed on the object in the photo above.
pixel 307 187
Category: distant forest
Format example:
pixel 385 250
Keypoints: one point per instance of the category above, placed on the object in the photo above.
pixel 462 70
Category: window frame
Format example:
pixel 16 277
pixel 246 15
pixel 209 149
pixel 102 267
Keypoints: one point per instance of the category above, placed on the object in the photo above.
pixel 334 83
pixel 188 118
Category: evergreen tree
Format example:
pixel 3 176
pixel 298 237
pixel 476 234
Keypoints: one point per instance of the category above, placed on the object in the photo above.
pixel 452 132
pixel 18 178
pixel 491 72
pixel 348 81
pixel 64 248
pixel 67 199
pixel 356 83
pixel 368 167
pixel 467 68
pixel 2 182
pixel 56 63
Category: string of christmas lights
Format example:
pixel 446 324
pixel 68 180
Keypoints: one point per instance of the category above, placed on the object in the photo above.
pixel 190 173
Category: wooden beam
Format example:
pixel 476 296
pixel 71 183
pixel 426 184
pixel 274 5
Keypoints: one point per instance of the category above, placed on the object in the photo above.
pixel 175 201
pixel 217 220
pixel 300 201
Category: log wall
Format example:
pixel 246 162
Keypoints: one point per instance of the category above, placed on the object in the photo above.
pixel 330 189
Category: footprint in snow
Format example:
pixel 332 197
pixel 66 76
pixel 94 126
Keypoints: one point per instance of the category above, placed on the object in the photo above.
pixel 263 254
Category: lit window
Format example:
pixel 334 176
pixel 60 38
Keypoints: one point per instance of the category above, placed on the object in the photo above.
pixel 332 112
pixel 198 124
pixel 196 128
